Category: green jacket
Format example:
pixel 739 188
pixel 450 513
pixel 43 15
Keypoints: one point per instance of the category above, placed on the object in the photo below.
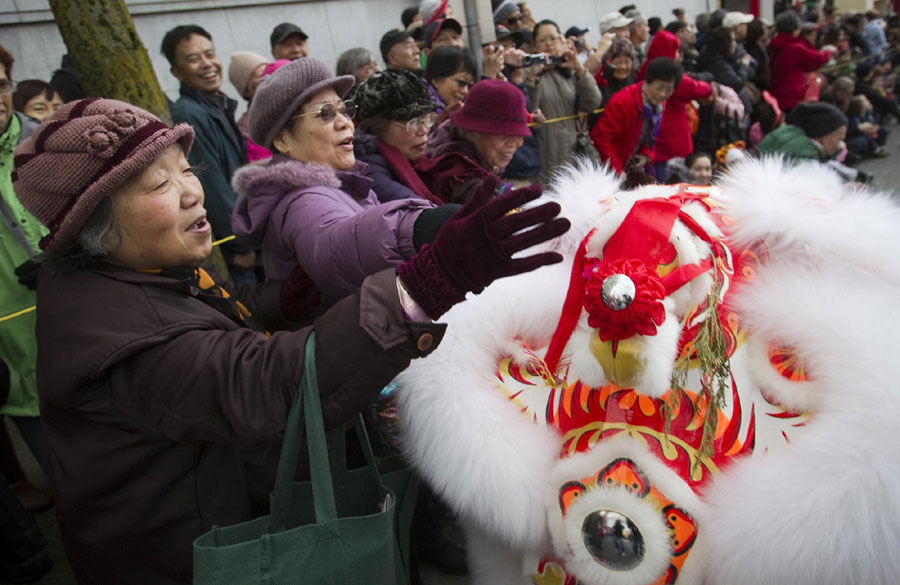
pixel 19 237
pixel 793 143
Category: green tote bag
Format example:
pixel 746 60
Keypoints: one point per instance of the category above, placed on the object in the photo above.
pixel 342 527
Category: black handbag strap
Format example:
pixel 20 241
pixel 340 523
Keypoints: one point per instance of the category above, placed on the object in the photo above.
pixel 337 452
pixel 320 470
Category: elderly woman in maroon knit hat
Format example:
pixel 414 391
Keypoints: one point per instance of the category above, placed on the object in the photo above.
pixel 477 142
pixel 153 374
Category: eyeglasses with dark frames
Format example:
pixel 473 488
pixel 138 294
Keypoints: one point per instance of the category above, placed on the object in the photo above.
pixel 328 112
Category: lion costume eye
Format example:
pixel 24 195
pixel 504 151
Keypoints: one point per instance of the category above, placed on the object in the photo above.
pixel 568 493
pixel 625 473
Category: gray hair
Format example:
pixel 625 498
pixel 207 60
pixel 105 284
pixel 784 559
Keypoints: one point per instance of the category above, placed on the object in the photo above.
pixel 638 19
pixel 352 59
pixel 787 22
pixel 100 234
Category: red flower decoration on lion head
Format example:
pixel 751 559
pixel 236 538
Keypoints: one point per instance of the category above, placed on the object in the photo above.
pixel 639 316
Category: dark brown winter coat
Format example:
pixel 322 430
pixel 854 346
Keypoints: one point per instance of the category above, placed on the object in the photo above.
pixel 148 394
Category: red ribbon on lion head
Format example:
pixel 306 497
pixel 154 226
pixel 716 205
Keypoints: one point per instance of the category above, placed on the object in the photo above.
pixel 634 252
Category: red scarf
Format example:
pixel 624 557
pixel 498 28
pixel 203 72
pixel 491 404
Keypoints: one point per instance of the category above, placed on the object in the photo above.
pixel 405 173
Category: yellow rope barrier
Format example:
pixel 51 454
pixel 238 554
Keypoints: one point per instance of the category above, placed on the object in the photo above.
pixel 17 314
pixel 223 240
pixel 32 308
pixel 564 118
pixel 836 66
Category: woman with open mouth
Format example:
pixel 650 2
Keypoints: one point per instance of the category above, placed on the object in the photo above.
pixel 312 204
pixel 156 377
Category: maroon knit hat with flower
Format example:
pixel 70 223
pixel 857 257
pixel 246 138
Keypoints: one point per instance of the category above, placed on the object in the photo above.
pixel 80 155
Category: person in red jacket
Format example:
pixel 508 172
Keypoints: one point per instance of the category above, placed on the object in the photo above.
pixel 791 57
pixel 674 139
pixel 627 130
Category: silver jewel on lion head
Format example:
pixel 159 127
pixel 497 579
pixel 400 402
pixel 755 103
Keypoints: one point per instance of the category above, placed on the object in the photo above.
pixel 613 540
pixel 617 292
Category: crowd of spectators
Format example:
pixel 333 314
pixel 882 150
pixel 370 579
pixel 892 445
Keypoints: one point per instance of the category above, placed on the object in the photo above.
pixel 333 176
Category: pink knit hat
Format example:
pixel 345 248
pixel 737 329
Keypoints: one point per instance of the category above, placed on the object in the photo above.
pixel 80 155
pixel 241 68
pixel 494 107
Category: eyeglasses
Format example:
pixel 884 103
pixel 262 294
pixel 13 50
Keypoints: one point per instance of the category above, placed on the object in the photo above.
pixel 413 126
pixel 7 85
pixel 513 19
pixel 328 112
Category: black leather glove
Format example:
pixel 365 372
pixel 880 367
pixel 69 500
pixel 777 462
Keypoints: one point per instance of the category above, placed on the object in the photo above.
pixel 27 273
pixel 476 245
pixel 430 222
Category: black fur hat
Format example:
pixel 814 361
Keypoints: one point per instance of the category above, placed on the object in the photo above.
pixel 393 94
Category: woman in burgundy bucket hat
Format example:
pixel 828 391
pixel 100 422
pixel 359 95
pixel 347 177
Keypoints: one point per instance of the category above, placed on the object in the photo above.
pixel 477 142
pixel 155 377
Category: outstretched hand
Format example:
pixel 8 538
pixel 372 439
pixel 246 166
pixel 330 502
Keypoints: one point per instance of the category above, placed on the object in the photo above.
pixel 476 246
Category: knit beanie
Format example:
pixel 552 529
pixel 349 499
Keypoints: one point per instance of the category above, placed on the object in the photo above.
pixel 817 119
pixel 494 107
pixel 83 153
pixel 281 94
pixel 394 94
pixel 241 68
pixel 503 11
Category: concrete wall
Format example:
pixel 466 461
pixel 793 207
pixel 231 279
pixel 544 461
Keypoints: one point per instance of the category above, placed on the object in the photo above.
pixel 28 32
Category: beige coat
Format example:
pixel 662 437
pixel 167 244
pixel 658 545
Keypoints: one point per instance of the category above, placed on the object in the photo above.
pixel 557 96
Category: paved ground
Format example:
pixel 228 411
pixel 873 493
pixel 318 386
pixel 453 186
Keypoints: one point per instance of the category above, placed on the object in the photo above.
pixel 887 178
pixel 886 170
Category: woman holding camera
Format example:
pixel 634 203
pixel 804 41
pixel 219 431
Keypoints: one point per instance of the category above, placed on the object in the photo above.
pixel 561 87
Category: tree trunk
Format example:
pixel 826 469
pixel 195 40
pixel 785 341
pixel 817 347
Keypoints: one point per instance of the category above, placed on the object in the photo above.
pixel 111 60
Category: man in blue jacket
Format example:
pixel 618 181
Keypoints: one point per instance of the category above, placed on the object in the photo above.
pixel 219 149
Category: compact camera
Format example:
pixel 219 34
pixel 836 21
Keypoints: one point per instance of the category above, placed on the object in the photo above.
pixel 541 59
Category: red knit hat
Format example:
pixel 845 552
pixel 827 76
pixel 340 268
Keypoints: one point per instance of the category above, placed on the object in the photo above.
pixel 80 155
pixel 494 107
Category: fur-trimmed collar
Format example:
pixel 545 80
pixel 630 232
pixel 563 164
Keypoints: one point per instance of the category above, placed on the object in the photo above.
pixel 282 174
pixel 262 186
